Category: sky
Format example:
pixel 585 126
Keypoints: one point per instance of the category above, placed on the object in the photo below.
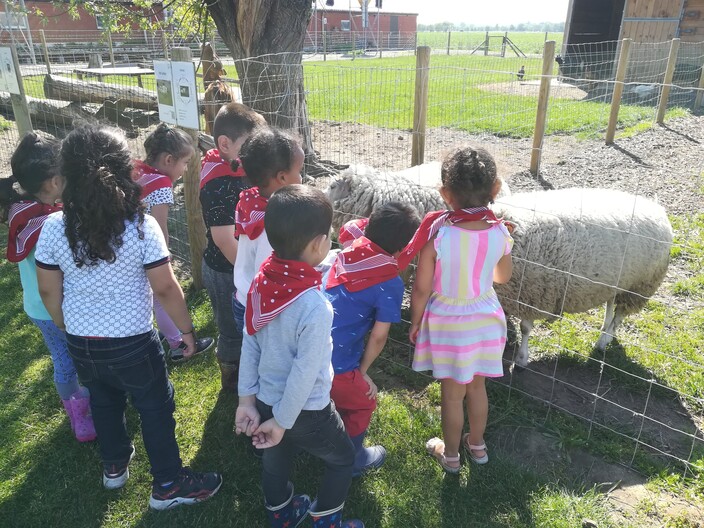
pixel 478 11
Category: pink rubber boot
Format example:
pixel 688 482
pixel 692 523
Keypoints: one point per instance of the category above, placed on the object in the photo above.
pixel 82 420
pixel 69 412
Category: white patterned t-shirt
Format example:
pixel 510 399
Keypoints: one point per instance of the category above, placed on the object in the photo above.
pixel 165 195
pixel 105 300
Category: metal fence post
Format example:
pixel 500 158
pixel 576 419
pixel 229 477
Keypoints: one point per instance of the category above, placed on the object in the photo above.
pixel 420 104
pixel 618 89
pixel 543 100
pixel 191 185
pixel 667 82
pixel 449 36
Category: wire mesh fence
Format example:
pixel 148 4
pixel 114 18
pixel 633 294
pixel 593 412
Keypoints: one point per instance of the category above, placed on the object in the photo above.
pixel 647 388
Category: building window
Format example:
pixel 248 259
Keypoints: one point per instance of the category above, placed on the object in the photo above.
pixel 101 22
pixel 13 21
pixel 345 25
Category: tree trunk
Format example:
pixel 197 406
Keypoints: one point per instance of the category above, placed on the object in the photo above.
pixel 266 39
pixel 50 112
pixel 66 89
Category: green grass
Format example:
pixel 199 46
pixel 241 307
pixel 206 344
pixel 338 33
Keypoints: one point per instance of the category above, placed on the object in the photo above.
pixel 48 479
pixel 380 92
pixel 5 124
pixel 528 42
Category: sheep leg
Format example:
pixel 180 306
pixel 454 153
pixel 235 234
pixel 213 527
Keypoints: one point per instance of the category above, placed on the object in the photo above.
pixel 607 327
pixel 608 334
pixel 522 356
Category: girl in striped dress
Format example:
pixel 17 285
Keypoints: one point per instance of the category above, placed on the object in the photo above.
pixel 457 323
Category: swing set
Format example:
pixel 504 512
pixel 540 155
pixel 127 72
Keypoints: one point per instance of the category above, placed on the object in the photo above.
pixel 505 42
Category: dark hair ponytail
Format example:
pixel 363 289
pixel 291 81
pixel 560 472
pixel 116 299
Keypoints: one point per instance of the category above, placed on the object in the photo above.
pixel 470 175
pixel 169 140
pixel 100 195
pixel 8 196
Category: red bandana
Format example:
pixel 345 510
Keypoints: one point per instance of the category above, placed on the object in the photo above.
pixel 362 265
pixel 351 231
pixel 277 284
pixel 213 166
pixel 150 179
pixel 432 223
pixel 25 221
pixel 249 214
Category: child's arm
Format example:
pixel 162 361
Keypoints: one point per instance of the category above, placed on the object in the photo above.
pixel 503 270
pixel 312 355
pixel 161 213
pixel 422 287
pixel 51 290
pixel 224 238
pixel 168 292
pixel 247 417
pixel 375 344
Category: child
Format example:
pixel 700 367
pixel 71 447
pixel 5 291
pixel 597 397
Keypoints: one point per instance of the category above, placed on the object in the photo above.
pixel 285 372
pixel 457 323
pixel 96 279
pixel 169 151
pixel 272 159
pixel 35 167
pixel 366 292
pixel 220 187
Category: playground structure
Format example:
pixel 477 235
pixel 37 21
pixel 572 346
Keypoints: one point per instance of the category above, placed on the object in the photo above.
pixel 505 42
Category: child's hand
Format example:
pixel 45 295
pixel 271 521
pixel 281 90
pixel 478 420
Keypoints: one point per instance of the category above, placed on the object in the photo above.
pixel 413 332
pixel 189 340
pixel 371 393
pixel 246 420
pixel 268 434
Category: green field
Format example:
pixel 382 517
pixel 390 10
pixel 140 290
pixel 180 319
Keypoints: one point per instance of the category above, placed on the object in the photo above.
pixel 475 93
pixel 48 479
pixel 530 43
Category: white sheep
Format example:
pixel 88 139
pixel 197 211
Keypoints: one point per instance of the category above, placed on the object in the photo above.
pixel 359 188
pixel 576 249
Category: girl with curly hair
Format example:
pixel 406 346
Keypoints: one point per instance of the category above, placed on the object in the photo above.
pixel 98 262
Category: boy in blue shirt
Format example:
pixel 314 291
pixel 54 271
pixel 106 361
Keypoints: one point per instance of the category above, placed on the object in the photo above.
pixel 285 372
pixel 366 292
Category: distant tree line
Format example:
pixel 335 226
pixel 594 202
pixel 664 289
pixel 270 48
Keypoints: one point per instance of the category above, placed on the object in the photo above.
pixel 463 26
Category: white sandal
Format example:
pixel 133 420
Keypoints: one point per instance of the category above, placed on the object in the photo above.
pixel 470 448
pixel 431 447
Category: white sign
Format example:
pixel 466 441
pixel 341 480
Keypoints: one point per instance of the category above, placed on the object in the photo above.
pixel 177 94
pixel 165 92
pixel 8 75
pixel 185 94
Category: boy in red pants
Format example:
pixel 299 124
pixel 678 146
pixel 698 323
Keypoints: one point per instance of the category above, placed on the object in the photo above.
pixel 365 291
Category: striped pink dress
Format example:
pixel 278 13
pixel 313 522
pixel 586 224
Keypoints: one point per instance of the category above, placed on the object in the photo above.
pixel 463 330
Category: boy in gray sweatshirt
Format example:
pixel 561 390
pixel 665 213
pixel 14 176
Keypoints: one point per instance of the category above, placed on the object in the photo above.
pixel 285 369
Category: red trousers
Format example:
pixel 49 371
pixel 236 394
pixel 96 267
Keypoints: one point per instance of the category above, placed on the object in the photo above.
pixel 349 392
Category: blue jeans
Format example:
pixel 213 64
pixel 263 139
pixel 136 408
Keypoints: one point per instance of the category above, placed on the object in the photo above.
pixel 114 367
pixel 238 313
pixel 320 433
pixel 220 287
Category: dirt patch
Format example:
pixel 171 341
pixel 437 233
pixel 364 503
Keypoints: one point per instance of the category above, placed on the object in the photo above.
pixel 630 499
pixel 558 90
pixel 663 163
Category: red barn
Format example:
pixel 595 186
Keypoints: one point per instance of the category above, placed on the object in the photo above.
pixel 344 28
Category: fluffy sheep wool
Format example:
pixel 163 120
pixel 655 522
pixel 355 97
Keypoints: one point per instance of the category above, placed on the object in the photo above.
pixel 576 249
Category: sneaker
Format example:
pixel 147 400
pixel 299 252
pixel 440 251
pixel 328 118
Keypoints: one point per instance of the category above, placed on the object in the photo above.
pixel 189 487
pixel 202 344
pixel 115 475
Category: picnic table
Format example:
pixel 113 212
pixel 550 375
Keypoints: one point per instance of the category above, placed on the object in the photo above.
pixel 129 71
